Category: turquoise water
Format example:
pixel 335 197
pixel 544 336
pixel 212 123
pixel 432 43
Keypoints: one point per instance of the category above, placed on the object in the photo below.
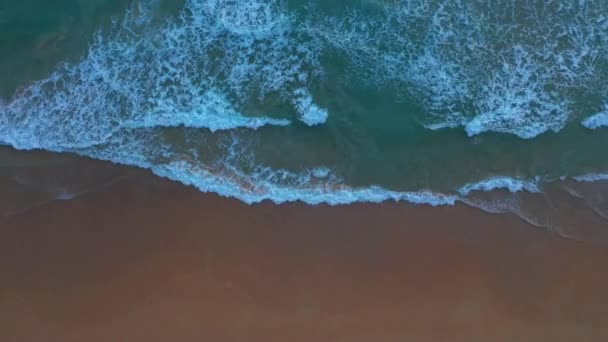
pixel 318 101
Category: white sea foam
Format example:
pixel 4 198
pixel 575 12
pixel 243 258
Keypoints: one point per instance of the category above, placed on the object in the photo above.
pixel 144 75
pixel 439 84
pixel 211 111
pixel 309 112
pixel 312 186
pixel 591 177
pixel 514 101
pixel 511 184
pixel 321 172
pixel 501 66
pixel 256 183
pixel 247 17
pixel 259 190
pixel 212 121
pixel 252 182
pixel 598 120
pixel 197 70
pixel 217 57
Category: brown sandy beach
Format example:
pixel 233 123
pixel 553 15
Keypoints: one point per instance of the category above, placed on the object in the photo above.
pixel 145 259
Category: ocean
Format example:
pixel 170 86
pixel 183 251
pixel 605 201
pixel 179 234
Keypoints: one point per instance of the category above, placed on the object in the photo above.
pixel 501 105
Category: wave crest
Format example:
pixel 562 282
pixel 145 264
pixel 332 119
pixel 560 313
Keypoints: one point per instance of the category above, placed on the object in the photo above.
pixel 598 120
pixel 502 66
pixel 196 71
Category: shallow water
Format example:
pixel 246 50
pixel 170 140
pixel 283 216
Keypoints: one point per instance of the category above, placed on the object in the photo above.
pixel 323 102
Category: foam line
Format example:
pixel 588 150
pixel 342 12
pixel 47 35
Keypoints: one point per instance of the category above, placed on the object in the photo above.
pixel 596 121
pixel 511 184
pixel 591 177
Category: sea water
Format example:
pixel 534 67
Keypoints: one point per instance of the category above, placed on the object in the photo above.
pixel 325 102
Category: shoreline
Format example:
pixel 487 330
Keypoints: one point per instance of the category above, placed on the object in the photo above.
pixel 147 259
pixel 572 207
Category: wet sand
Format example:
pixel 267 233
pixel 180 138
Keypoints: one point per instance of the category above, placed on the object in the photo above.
pixel 145 259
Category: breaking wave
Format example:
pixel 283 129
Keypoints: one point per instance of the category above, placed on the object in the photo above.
pixel 181 96
pixel 598 120
pixel 195 71
pixel 510 67
pixel 511 184
pixel 591 177
pixel 503 66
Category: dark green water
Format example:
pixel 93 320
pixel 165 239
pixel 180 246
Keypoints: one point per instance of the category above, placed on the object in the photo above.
pixel 323 102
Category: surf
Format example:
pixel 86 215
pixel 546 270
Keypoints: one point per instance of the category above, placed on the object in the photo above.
pixel 209 96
